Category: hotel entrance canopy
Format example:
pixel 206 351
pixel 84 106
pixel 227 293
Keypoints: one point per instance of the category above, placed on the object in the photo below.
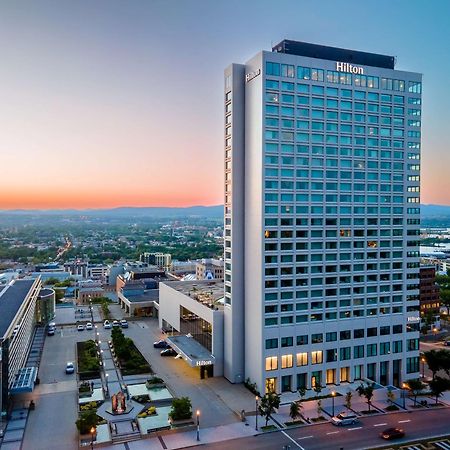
pixel 192 351
pixel 24 381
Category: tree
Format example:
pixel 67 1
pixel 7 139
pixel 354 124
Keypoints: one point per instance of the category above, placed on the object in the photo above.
pixel 295 409
pixel 317 389
pixel 438 385
pixel 348 400
pixel 366 391
pixel 181 409
pixel 437 360
pixel 390 396
pixel 445 299
pixel 416 387
pixel 87 420
pixel 268 404
pixel 301 392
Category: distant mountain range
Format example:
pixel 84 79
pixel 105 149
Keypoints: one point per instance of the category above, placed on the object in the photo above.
pixel 125 211
pixel 427 212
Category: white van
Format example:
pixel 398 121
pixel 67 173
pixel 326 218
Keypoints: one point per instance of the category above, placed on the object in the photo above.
pixel 344 418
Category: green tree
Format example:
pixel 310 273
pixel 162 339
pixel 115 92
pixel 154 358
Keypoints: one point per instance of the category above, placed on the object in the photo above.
pixel 348 399
pixel 390 396
pixel 295 410
pixel 445 300
pixel 436 360
pixel 301 392
pixel 87 420
pixel 438 385
pixel 268 404
pixel 367 392
pixel 181 409
pixel 416 387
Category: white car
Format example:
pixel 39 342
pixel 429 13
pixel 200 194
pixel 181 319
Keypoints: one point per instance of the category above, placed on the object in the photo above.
pixel 80 327
pixel 70 368
pixel 344 418
pixel 116 324
pixel 89 326
pixel 106 324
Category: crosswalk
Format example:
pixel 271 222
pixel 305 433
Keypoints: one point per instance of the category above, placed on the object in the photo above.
pixel 437 445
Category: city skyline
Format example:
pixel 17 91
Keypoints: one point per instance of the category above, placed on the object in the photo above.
pixel 111 105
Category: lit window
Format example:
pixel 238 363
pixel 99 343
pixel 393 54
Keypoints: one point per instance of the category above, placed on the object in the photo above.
pixel 271 363
pixel 302 359
pixel 316 357
pixel 286 361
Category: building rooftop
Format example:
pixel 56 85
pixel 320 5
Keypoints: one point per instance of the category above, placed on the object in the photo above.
pixel 204 291
pixel 334 54
pixel 11 299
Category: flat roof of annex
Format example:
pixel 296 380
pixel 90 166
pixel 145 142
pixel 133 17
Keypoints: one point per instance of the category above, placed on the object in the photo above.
pixel 334 54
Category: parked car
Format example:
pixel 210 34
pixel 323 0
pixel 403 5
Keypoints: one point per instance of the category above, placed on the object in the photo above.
pixel 80 327
pixel 106 324
pixel 116 324
pixel 124 323
pixel 89 326
pixel 70 368
pixel 50 331
pixel 161 344
pixel 169 352
pixel 392 433
pixel 344 418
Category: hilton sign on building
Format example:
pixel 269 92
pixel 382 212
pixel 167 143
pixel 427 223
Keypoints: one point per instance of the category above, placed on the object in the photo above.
pixel 350 68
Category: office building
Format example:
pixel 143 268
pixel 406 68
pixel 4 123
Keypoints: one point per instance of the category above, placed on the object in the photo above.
pixel 209 269
pixel 430 303
pixel 161 260
pixel 322 193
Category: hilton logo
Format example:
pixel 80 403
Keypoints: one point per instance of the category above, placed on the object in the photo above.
pixel 350 68
pixel 252 75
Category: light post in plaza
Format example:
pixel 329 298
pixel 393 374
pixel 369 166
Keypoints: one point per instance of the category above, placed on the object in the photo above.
pixel 256 412
pixel 92 437
pixel 404 386
pixel 423 367
pixel 333 394
pixel 198 425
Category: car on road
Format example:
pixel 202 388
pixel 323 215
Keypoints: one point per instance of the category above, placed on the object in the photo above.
pixel 80 327
pixel 70 368
pixel 89 326
pixel 116 324
pixel 344 418
pixel 392 433
pixel 124 323
pixel 447 343
pixel 106 324
pixel 50 332
pixel 161 344
pixel 169 352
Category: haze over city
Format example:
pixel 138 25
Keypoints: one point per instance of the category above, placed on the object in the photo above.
pixel 112 103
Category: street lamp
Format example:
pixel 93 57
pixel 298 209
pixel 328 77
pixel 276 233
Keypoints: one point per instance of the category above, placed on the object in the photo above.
pixel 403 395
pixel 92 437
pixel 423 367
pixel 198 425
pixel 333 394
pixel 256 412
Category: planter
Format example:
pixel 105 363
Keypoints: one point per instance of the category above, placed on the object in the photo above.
pixel 181 422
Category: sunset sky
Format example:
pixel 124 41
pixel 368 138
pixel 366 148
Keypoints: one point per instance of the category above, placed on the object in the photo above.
pixel 119 103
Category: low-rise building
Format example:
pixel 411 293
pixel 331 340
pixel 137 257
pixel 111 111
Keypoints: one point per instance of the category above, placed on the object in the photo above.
pixel 191 312
pixel 161 260
pixel 139 298
pixel 429 292
pixel 18 303
pixel 209 269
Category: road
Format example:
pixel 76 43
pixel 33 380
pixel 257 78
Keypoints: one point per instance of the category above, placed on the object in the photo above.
pixel 417 425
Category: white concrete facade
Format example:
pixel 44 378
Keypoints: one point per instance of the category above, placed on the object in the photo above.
pixel 322 187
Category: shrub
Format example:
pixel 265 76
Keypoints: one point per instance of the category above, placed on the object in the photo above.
pixel 181 409
pixel 153 380
pixel 87 420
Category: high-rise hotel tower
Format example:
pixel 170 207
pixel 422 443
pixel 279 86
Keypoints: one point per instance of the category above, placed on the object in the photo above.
pixel 322 193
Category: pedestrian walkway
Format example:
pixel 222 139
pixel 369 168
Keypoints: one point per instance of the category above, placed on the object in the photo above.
pixel 15 430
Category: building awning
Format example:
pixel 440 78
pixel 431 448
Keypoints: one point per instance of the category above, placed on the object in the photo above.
pixel 192 351
pixel 24 381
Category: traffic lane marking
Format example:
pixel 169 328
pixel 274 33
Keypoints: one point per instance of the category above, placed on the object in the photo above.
pixel 380 424
pixel 304 437
pixel 333 432
pixel 352 429
pixel 404 421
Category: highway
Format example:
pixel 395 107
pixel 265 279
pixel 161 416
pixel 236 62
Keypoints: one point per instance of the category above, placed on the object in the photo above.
pixel 364 435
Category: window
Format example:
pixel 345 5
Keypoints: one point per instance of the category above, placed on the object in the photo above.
pixel 302 340
pixel 372 350
pixel 287 341
pixel 302 359
pixel 358 351
pixel 287 361
pixel 271 343
pixel 331 355
pixel 271 363
pixel 272 68
pixel 385 348
pixel 317 357
pixel 331 337
pixel 344 335
pixel 359 333
pixel 344 353
pixel 317 338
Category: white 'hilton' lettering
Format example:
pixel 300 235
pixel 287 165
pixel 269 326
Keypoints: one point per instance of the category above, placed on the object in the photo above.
pixel 346 67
